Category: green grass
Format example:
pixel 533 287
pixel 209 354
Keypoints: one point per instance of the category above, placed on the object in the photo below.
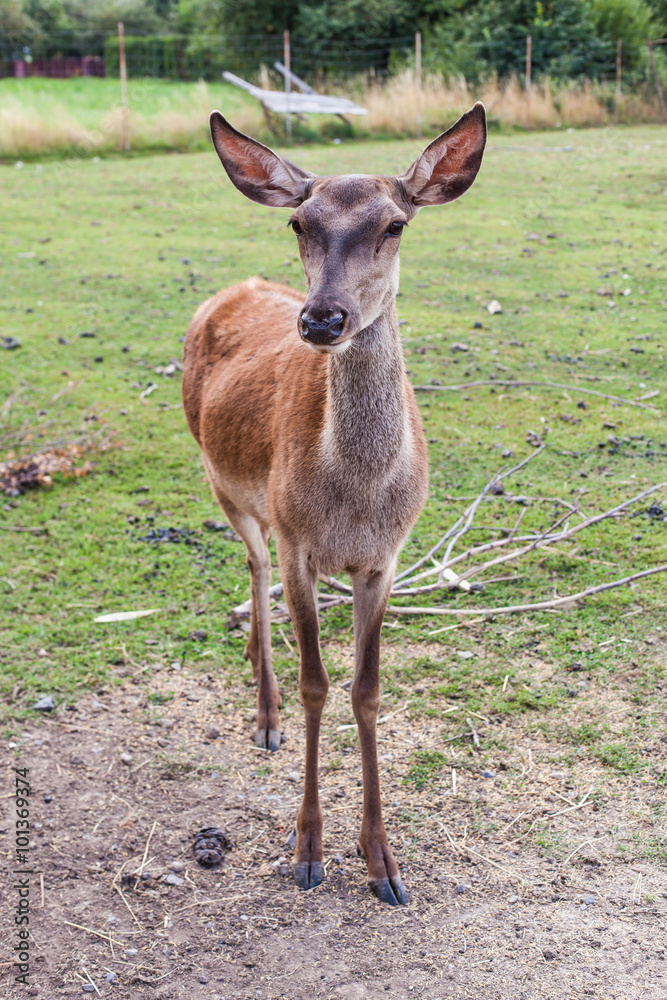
pixel 126 250
pixel 426 769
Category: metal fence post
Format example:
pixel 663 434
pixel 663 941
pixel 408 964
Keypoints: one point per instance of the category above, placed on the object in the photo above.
pixel 619 47
pixel 418 80
pixel 287 59
pixel 124 123
pixel 658 85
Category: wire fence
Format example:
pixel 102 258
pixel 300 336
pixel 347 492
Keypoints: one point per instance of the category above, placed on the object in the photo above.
pixel 195 57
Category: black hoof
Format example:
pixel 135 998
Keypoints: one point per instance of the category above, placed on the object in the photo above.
pixel 268 741
pixel 210 846
pixel 308 875
pixel 389 890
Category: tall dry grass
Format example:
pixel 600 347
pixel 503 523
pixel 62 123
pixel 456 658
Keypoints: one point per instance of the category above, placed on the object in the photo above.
pixel 33 128
pixel 392 107
pixel 44 123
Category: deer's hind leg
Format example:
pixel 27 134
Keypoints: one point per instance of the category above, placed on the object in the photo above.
pixel 258 647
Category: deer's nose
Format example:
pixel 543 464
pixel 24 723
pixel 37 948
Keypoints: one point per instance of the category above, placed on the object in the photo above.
pixel 322 331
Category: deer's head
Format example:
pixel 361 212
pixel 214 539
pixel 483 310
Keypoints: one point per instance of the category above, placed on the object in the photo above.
pixel 349 228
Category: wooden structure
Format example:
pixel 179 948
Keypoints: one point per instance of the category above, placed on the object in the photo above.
pixel 308 102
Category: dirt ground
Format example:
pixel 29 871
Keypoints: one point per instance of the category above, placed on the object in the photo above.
pixel 490 912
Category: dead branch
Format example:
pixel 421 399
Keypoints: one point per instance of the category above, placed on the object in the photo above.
pixel 556 602
pixel 497 478
pixel 515 383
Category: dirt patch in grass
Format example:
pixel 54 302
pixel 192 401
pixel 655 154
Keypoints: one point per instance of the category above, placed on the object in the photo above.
pixel 541 873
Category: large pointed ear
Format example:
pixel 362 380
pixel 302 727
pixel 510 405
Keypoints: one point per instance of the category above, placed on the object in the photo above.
pixel 447 167
pixel 258 172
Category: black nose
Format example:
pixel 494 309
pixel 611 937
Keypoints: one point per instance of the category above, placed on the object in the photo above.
pixel 322 331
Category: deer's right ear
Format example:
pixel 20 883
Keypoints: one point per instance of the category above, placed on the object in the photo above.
pixel 447 167
pixel 258 172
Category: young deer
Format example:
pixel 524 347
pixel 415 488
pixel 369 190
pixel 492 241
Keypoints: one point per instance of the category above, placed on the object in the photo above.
pixel 317 437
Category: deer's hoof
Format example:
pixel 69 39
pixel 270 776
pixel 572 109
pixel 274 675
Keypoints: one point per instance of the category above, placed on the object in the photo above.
pixel 308 874
pixel 268 740
pixel 389 890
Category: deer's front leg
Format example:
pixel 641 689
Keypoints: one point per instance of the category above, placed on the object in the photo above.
pixel 300 583
pixel 371 594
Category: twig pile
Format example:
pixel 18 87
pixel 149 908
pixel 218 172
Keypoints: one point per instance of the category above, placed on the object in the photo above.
pixel 449 571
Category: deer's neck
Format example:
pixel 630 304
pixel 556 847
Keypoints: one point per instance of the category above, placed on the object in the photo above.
pixel 366 427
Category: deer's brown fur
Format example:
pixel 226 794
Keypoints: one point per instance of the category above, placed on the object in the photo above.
pixel 319 439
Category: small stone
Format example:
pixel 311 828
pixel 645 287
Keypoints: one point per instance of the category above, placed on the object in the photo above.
pixel 291 840
pixel 477 326
pixel 589 900
pixel 10 343
pixel 461 889
pixel 48 797
pixel 203 978
pixel 459 348
pixel 494 307
pixel 549 954
pixel 285 871
pixel 488 774
pixel 110 977
pixel 131 951
pixel 293 776
pixel 126 758
pixel 45 704
pixel 88 988
pixel 338 858
pixel 464 654
pixel 173 880
pixel 513 899
pixel 176 866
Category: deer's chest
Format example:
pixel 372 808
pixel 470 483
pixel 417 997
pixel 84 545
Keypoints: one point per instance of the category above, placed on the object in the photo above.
pixel 346 521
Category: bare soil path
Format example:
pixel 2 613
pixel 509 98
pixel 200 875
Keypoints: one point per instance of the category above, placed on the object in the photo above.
pixel 489 914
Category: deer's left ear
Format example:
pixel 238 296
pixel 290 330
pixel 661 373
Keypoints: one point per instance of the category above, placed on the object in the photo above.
pixel 258 172
pixel 447 167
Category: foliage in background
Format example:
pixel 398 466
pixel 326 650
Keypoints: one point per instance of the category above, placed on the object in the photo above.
pixel 473 38
pixel 571 38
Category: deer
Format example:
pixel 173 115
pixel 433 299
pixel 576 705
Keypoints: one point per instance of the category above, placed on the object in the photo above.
pixel 310 432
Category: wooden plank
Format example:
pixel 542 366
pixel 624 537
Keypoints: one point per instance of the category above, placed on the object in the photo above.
pixel 301 84
pixel 306 104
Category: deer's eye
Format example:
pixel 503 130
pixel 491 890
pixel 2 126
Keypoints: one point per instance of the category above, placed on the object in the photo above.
pixel 396 228
pixel 296 227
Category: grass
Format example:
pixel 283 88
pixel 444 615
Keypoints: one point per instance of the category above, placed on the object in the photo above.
pixel 426 769
pixel 82 116
pixel 125 251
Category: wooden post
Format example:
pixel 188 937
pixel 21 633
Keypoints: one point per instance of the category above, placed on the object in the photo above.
pixel 124 123
pixel 287 59
pixel 529 59
pixel 619 46
pixel 418 80
pixel 657 81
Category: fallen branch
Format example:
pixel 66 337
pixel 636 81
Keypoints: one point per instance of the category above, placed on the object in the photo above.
pixel 510 548
pixel 517 384
pixel 556 602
